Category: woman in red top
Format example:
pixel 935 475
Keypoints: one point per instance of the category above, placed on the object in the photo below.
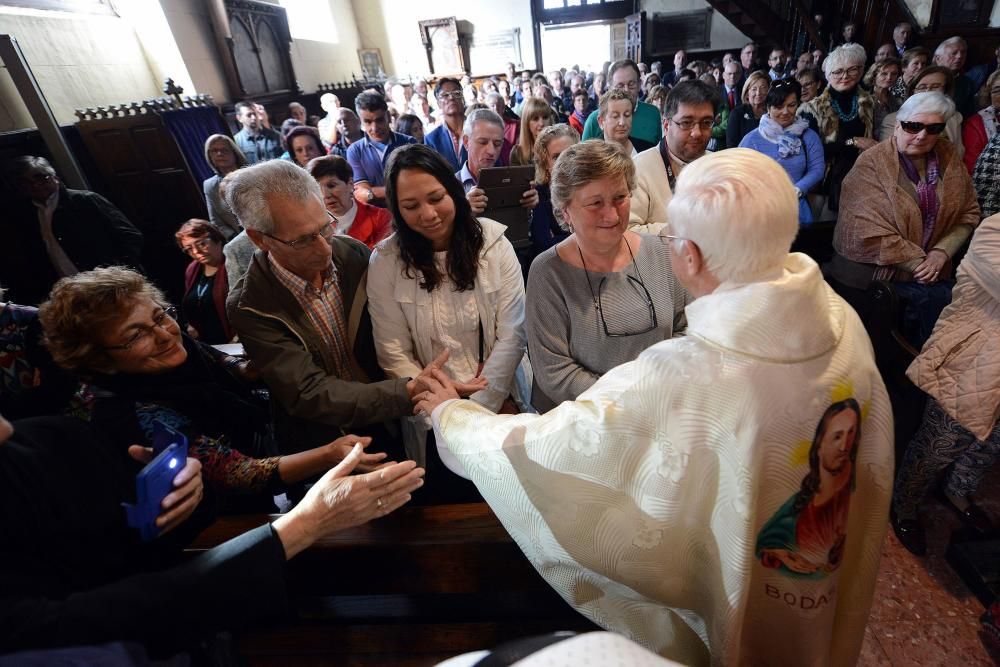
pixel 206 285
pixel 368 224
pixel 981 127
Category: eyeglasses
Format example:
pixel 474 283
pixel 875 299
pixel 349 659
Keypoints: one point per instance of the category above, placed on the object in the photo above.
pixel 328 231
pixel 667 238
pixel 705 124
pixel 636 284
pixel 201 244
pixel 995 90
pixel 913 127
pixel 453 95
pixel 144 333
pixel 841 73
pixel 928 87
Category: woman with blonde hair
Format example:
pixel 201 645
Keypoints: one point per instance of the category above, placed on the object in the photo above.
pixel 224 157
pixel 545 230
pixel 535 115
pixel 603 294
pixel 745 118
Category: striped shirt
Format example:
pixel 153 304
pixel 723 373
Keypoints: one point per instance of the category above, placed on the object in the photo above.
pixel 325 309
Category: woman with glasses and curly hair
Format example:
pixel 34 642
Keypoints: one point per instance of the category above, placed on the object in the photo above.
pixel 604 294
pixel 116 330
pixel 789 141
pixel 446 281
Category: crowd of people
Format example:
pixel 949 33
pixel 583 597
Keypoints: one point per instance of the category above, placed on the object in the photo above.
pixel 662 355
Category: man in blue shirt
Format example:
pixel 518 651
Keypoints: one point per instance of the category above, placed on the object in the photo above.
pixel 368 156
pixel 446 138
pixel 257 142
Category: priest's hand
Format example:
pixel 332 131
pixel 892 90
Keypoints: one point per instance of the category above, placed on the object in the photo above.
pixel 440 388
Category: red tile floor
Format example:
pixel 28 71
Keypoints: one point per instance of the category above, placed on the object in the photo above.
pixel 922 613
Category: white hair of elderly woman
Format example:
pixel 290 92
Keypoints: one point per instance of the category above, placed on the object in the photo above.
pixel 932 102
pixel 951 41
pixel 742 211
pixel 844 56
pixel 247 191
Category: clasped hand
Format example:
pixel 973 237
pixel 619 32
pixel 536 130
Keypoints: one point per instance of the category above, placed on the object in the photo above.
pixel 434 370
pixel 929 271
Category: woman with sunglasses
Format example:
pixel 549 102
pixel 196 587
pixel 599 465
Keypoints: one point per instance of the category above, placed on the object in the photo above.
pixel 604 294
pixel 843 116
pixel 789 141
pixel 932 79
pixel 908 207
pixel 206 285
pixel 115 330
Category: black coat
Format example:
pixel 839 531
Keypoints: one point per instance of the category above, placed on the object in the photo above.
pixel 72 573
pixel 742 122
pixel 90 229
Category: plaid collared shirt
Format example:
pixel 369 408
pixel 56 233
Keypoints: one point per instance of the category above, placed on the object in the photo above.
pixel 325 309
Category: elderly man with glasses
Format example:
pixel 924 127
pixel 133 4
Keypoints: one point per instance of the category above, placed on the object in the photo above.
pixel 301 313
pixel 688 118
pixel 624 74
pixel 446 138
pixel 722 498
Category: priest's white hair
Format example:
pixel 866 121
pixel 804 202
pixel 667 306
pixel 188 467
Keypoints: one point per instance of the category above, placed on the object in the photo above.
pixel 741 209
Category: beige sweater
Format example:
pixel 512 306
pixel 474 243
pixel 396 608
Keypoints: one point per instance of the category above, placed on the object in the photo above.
pixel 651 195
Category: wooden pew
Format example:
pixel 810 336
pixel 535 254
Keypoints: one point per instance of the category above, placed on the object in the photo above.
pixel 411 589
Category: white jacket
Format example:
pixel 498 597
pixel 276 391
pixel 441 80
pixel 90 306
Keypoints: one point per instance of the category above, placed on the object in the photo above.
pixel 651 194
pixel 400 311
pixel 674 501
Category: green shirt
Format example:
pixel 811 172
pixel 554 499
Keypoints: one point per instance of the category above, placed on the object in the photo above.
pixel 646 125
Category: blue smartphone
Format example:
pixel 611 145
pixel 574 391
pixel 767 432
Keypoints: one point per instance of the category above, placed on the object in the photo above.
pixel 156 480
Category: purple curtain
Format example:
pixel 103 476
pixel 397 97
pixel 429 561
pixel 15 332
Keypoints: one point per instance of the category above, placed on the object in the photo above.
pixel 190 128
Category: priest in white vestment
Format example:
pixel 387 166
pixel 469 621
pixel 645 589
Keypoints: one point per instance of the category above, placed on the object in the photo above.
pixel 723 498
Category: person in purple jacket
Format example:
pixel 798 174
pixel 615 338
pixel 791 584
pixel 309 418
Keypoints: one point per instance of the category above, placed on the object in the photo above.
pixel 789 141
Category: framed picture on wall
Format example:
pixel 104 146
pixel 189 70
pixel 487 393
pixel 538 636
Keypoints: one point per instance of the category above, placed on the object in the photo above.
pixel 444 45
pixel 371 63
pixel 958 13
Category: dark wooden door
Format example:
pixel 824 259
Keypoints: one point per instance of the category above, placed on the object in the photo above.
pixel 633 36
pixel 149 181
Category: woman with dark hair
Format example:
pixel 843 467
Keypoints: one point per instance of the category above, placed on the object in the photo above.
pixel 880 79
pixel 364 222
pixel 411 124
pixel 446 281
pixel 789 141
pixel 304 144
pixel 224 157
pixel 206 285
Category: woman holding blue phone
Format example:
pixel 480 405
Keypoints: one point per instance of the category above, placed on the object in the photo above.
pixel 115 330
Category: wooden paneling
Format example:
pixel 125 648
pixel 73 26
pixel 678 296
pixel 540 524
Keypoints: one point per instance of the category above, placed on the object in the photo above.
pixel 149 181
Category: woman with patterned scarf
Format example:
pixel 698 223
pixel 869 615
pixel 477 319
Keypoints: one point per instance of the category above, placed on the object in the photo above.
pixel 908 206
pixel 789 141
pixel 843 115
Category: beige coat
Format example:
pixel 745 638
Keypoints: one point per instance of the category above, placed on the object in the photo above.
pixel 880 222
pixel 960 363
pixel 652 193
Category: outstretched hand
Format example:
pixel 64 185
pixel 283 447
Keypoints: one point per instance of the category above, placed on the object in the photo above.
pixel 341 500
pixel 341 448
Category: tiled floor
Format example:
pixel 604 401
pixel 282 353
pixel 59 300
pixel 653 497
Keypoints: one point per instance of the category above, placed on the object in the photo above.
pixel 922 613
